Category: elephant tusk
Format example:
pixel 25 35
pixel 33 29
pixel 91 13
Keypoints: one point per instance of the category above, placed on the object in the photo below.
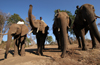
pixel 37 30
pixel 58 29
pixel 84 19
pixel 30 31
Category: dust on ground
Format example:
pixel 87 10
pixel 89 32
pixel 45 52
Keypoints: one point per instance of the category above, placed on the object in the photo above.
pixel 51 56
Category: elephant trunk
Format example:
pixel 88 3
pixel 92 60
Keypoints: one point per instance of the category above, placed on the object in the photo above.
pixel 95 30
pixel 8 44
pixel 30 17
pixel 64 37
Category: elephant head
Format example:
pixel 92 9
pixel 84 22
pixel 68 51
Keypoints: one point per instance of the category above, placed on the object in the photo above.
pixel 15 30
pixel 87 16
pixel 37 25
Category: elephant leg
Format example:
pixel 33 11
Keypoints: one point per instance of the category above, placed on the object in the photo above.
pixel 16 47
pixel 42 39
pixel 84 46
pixel 59 44
pixel 8 45
pixel 58 39
pixel 79 43
pixel 23 45
pixel 38 44
pixel 43 45
pixel 61 40
pixel 94 44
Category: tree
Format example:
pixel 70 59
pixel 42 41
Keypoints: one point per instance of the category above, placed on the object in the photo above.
pixel 49 39
pixel 27 41
pixel 72 17
pixel 3 24
pixel 14 19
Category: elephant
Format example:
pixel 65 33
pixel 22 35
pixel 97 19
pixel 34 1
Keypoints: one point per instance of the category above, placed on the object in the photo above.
pixel 40 29
pixel 61 24
pixel 19 32
pixel 85 20
pixel 57 34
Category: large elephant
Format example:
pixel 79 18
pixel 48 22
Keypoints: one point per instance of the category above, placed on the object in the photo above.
pixel 40 29
pixel 61 23
pixel 86 20
pixel 18 31
pixel 56 32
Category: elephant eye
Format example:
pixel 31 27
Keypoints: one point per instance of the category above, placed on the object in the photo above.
pixel 17 28
pixel 93 7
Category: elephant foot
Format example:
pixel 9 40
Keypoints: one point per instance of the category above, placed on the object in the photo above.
pixel 79 46
pixel 15 55
pixel 22 54
pixel 43 49
pixel 59 47
pixel 95 47
pixel 84 49
pixel 41 54
pixel 38 53
pixel 62 56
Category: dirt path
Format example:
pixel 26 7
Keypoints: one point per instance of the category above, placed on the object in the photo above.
pixel 74 56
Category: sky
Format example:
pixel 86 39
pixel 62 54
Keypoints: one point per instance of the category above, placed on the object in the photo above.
pixel 45 9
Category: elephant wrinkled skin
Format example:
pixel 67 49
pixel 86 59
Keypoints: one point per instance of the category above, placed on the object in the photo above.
pixel 40 29
pixel 18 31
pixel 86 20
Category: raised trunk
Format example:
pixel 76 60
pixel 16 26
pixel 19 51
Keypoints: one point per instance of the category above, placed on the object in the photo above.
pixel 8 44
pixel 30 17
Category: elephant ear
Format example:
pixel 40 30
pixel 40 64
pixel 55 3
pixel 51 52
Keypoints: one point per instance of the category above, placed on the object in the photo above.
pixel 24 29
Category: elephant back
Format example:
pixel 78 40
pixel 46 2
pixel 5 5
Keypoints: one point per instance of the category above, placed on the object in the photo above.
pixel 24 29
pixel 65 16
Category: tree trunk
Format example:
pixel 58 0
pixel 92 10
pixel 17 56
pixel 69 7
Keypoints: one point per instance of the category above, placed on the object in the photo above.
pixel 1 37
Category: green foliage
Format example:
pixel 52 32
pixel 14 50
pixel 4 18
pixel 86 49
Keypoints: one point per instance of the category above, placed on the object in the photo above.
pixel 27 39
pixel 72 17
pixel 14 19
pixel 49 39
